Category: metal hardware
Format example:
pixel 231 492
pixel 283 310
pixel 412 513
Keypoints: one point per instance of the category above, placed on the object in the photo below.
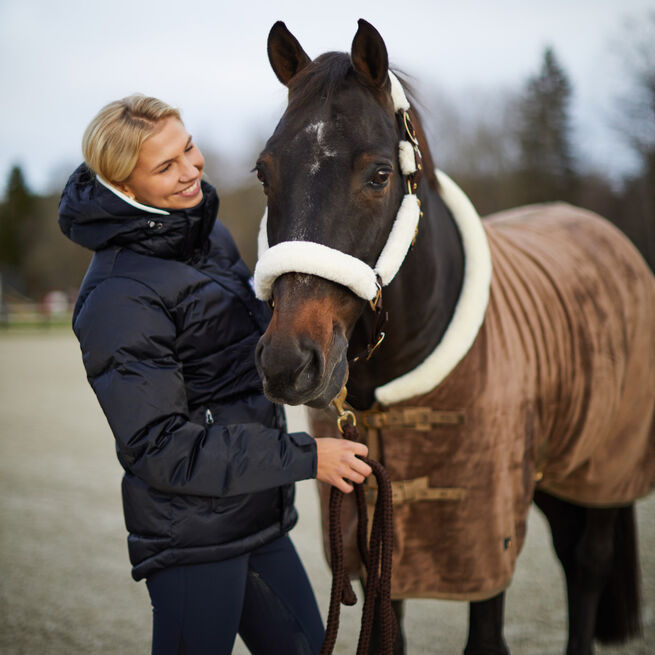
pixel 373 304
pixel 344 414
pixel 409 128
pixel 418 489
pixel 412 418
pixel 375 346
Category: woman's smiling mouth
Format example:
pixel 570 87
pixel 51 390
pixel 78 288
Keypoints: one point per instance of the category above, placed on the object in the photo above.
pixel 191 190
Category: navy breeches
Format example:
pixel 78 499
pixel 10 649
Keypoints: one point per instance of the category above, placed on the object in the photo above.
pixel 264 596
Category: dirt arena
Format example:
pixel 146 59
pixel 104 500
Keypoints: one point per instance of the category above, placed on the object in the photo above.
pixel 66 586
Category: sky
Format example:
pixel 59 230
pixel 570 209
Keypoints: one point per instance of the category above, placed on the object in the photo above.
pixel 60 62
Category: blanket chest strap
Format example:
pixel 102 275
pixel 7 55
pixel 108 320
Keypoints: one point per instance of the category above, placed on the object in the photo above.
pixel 417 418
pixel 407 491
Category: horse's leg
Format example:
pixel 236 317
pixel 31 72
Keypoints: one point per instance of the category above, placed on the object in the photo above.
pixel 584 541
pixel 486 627
pixel 593 563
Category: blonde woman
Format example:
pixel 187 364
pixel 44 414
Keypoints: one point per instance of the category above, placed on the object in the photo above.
pixel 168 324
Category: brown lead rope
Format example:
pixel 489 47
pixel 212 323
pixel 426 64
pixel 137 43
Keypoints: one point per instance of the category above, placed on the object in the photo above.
pixel 376 556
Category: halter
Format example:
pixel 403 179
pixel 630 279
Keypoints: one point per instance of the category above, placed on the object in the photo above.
pixel 321 260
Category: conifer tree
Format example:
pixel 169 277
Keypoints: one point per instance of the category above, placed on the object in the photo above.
pixel 543 131
pixel 15 216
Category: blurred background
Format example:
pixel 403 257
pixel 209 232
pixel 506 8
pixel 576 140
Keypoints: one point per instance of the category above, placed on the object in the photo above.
pixel 523 102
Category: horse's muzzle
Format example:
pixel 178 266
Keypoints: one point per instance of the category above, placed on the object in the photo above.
pixel 296 371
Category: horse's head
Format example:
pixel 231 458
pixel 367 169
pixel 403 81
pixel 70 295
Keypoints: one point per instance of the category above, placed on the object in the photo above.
pixel 331 174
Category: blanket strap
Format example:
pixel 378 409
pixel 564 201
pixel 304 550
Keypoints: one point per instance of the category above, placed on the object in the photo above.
pixel 413 418
pixel 408 491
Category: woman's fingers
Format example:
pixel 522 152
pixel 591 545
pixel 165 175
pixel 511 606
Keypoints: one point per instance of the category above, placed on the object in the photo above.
pixel 356 470
pixel 339 463
pixel 362 467
pixel 359 448
pixel 343 485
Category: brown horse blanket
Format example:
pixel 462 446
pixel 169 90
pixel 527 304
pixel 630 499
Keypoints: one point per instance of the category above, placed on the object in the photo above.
pixel 557 392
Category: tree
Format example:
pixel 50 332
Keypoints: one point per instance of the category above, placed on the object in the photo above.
pixel 15 216
pixel 636 122
pixel 546 162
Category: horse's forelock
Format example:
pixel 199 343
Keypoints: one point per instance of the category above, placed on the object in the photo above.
pixel 322 78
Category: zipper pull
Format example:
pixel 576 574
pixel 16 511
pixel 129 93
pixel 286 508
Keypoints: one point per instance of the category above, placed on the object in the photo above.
pixel 209 417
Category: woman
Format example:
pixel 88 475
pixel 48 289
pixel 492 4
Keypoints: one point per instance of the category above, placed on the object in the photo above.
pixel 168 324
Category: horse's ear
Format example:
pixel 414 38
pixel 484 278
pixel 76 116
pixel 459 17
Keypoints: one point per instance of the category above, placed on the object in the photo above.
pixel 369 55
pixel 285 53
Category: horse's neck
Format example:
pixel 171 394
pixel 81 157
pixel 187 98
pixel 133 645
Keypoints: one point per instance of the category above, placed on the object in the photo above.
pixel 420 302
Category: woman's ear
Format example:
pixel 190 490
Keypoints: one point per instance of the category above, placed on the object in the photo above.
pixel 125 189
pixel 369 55
pixel 285 53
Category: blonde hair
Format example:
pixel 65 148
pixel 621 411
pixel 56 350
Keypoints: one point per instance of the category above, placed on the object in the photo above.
pixel 113 139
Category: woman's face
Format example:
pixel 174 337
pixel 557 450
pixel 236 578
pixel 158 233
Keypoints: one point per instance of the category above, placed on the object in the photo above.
pixel 167 173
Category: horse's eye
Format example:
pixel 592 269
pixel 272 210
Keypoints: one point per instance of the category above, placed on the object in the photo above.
pixel 380 178
pixel 261 176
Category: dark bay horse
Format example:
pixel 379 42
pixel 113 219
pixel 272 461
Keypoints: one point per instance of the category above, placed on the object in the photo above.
pixel 350 184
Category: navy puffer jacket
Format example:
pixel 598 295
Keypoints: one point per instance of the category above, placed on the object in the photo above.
pixel 167 324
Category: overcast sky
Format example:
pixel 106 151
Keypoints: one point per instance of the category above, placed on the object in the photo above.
pixel 60 61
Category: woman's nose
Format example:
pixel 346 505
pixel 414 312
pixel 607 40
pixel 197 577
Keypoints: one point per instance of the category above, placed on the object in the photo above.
pixel 191 166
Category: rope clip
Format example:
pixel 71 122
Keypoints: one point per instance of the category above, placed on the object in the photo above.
pixel 344 414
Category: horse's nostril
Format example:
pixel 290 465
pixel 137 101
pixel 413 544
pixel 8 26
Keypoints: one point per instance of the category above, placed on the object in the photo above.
pixel 309 372
pixel 290 367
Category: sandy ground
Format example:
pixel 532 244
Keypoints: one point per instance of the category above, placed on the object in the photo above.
pixel 66 586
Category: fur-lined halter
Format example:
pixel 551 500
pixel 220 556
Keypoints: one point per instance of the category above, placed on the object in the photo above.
pixel 323 261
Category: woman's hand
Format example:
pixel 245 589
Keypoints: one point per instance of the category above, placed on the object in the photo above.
pixel 337 462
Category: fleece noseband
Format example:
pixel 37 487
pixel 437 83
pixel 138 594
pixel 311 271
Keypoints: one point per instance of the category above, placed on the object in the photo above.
pixel 323 261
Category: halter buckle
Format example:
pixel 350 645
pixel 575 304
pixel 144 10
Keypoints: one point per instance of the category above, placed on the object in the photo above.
pixel 373 304
pixel 409 128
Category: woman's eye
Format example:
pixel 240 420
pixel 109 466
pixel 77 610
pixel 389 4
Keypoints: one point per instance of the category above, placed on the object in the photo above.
pixel 380 178
pixel 191 146
pixel 163 170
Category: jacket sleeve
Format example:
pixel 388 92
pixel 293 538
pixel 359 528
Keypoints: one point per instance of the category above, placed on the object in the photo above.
pixel 127 339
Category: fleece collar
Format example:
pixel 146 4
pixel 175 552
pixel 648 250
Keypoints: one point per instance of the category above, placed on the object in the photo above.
pixel 130 201
pixel 469 312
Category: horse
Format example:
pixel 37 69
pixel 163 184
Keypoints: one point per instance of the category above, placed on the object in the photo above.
pixel 517 350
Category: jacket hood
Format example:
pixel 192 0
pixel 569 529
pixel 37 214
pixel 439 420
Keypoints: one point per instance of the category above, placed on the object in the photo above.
pixel 95 217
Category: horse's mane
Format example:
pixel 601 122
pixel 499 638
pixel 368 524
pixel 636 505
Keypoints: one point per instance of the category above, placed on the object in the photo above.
pixel 327 74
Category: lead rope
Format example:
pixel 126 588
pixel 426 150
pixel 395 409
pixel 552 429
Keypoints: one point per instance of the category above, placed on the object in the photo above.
pixel 376 554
